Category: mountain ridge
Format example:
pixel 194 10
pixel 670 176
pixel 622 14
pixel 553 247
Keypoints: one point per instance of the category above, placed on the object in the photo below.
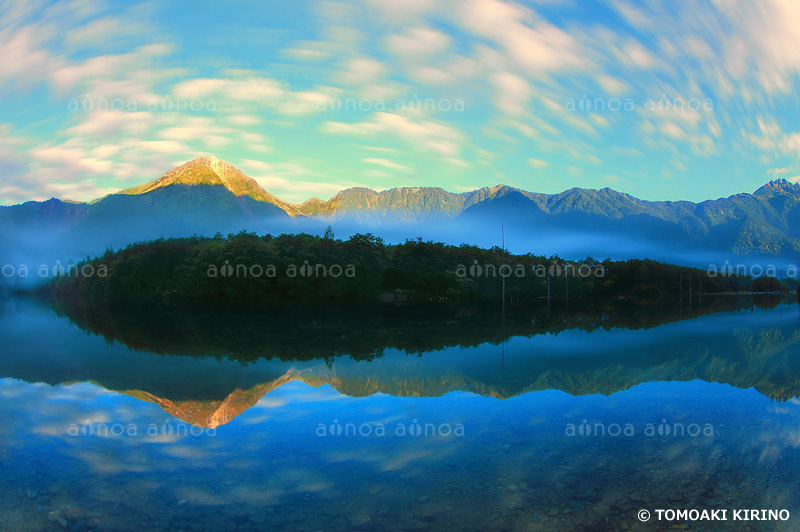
pixel 210 170
pixel 208 195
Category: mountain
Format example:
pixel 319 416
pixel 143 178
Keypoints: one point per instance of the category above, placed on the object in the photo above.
pixel 410 204
pixel 207 195
pixel 765 222
pixel 213 171
pixel 204 196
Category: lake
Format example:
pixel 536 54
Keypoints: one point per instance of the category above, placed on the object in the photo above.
pixel 390 418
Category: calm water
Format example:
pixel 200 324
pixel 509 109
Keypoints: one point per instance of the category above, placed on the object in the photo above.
pixel 390 420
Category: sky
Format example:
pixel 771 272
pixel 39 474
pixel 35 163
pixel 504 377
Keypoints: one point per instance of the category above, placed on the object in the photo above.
pixel 662 100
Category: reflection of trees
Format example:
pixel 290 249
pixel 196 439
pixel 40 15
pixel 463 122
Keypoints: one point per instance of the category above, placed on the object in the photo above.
pixel 364 331
pixel 269 346
pixel 766 301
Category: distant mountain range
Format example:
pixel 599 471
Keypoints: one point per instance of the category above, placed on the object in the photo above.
pixel 208 195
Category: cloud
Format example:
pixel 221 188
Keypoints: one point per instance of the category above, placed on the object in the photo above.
pixel 69 155
pixel 779 171
pixel 424 134
pixel 105 31
pixel 101 68
pixel 103 123
pixel 10 146
pixel 309 50
pixel 634 16
pixel 771 139
pixel 401 12
pixel 452 69
pixel 513 93
pixel 639 55
pixel 164 146
pixel 291 181
pixel 22 58
pixel 767 45
pixel 257 89
pixel 235 93
pixel 27 62
pixel 418 43
pixel 243 120
pixel 736 44
pixel 529 41
pixel 611 85
pixel 360 71
pixel 386 163
pixel 69 169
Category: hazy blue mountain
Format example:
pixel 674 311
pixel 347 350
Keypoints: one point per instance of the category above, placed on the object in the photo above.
pixel 763 223
pixel 203 196
pixel 207 195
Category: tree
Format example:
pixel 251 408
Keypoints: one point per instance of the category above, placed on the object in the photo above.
pixel 766 284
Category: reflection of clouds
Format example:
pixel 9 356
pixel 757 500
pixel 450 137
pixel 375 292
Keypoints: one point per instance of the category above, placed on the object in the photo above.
pixel 774 439
pixel 300 392
pixel 80 391
pixel 186 451
pixel 94 417
pixel 107 462
pixel 353 455
pixel 255 494
pixel 404 459
pixel 162 438
pixel 273 452
pixel 393 453
pixel 790 407
pixel 11 388
pixel 251 418
pixel 269 402
pixel 206 495
pixel 58 429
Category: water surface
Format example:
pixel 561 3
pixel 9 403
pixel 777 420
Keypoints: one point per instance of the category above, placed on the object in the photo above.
pixel 395 419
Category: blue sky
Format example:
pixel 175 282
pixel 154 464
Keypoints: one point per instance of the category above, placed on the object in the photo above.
pixel 308 98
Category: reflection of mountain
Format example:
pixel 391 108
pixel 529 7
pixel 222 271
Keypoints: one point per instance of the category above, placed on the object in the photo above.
pixel 212 413
pixel 585 354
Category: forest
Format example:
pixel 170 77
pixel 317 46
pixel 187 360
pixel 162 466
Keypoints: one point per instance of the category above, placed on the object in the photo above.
pixel 251 267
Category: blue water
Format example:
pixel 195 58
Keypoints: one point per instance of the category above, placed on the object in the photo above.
pixel 481 438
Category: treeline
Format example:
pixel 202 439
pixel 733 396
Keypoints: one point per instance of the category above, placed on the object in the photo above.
pixel 246 266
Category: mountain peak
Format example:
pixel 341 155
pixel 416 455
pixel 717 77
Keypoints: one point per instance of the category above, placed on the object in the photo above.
pixel 210 170
pixel 779 186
